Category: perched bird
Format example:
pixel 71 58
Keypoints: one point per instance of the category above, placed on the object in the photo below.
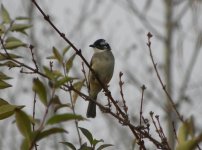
pixel 102 62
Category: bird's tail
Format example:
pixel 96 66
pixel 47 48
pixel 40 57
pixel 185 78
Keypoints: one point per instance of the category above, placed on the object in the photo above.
pixel 91 111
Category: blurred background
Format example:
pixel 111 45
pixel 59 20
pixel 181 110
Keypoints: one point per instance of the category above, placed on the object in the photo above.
pixel 176 44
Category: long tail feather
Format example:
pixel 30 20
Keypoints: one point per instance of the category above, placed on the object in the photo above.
pixel 91 111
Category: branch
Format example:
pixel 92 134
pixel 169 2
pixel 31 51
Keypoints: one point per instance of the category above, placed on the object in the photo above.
pixel 149 36
pixel 123 118
pixel 78 52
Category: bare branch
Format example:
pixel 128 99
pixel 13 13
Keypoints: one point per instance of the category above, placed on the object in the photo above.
pixel 149 35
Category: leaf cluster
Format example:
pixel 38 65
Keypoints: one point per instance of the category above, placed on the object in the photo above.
pixel 34 130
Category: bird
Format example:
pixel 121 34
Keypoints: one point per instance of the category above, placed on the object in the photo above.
pixel 102 64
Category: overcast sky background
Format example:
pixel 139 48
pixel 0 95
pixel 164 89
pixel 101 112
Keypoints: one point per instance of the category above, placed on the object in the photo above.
pixel 85 21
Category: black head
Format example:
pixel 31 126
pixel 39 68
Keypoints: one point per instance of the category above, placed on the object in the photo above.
pixel 101 44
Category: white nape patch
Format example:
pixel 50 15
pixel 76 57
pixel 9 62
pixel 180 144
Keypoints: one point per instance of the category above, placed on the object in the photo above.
pixel 103 43
pixel 96 50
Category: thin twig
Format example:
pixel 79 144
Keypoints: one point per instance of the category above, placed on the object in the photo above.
pixel 163 137
pixel 75 121
pixel 149 36
pixel 141 108
pixel 41 126
pixel 142 17
pixel 31 47
pixel 72 104
pixel 6 55
pixel 141 105
pixel 78 52
pixel 159 132
pixel 85 97
pixel 125 108
pixel 175 133
pixel 85 76
pixel 33 116
pixel 107 92
pixel 121 117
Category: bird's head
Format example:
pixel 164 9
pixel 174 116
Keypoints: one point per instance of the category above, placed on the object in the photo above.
pixel 101 45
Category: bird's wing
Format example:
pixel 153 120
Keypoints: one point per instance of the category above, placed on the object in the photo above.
pixel 89 75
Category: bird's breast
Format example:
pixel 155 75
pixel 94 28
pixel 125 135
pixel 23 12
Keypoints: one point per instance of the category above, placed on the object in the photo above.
pixel 103 65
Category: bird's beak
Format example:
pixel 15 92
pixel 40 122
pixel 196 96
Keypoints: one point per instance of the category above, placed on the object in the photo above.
pixel 91 45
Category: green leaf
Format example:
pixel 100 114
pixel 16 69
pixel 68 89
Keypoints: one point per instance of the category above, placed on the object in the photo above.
pixel 49 132
pixel 40 89
pixel 95 142
pixel 56 103
pixel 25 144
pixel 56 100
pixel 6 110
pixel 48 72
pixel 53 75
pixel 57 55
pixel 85 147
pixel 87 134
pixel 186 145
pixel 22 18
pixel 69 63
pixel 9 64
pixel 50 57
pixel 4 56
pixel 187 139
pixel 78 85
pixel 5 14
pixel 70 145
pixel 20 27
pixel 11 39
pixel 63 117
pixel 190 144
pixel 104 146
pixel 57 74
pixel 13 43
pixel 23 123
pixel 4 76
pixel 2 29
pixel 191 126
pixel 62 81
pixel 65 50
pixel 59 106
pixel 3 102
pixel 4 85
pixel 183 132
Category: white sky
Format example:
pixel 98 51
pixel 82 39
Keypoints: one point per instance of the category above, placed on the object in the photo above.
pixel 114 21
